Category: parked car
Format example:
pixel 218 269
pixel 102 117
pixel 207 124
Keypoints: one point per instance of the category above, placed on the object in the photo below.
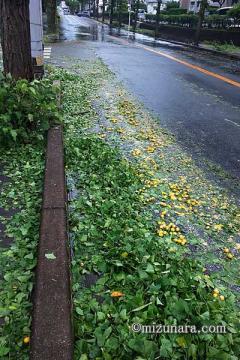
pixel 223 10
pixel 84 13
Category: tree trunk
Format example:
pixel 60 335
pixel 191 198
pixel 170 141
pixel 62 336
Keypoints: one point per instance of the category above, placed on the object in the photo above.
pixel 157 18
pixel 16 39
pixel 103 10
pixel 94 8
pixel 97 9
pixel 44 6
pixel 111 12
pixel 203 6
pixel 135 15
pixel 51 16
pixel 89 7
pixel 120 14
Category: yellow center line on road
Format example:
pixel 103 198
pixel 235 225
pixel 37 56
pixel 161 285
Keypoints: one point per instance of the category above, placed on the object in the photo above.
pixel 195 67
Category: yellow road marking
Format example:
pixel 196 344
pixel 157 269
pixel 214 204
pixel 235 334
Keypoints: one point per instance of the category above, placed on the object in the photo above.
pixel 195 67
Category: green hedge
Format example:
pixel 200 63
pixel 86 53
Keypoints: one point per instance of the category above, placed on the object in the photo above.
pixel 235 12
pixel 190 20
pixel 183 20
pixel 174 11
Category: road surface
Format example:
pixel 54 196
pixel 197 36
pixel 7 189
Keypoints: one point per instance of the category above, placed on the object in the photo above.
pixel 196 95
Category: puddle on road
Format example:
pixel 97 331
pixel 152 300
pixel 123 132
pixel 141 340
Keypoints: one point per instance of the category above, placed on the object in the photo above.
pixel 90 31
pixel 84 29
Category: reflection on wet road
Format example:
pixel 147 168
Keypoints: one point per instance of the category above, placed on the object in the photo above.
pixel 200 109
pixel 75 28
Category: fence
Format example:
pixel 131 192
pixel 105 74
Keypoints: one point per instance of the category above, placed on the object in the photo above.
pixel 190 21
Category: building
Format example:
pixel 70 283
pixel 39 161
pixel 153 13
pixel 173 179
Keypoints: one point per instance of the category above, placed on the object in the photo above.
pixel 184 4
pixel 152 6
pixel 194 5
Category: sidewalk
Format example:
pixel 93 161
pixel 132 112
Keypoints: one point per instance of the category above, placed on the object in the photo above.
pixel 152 238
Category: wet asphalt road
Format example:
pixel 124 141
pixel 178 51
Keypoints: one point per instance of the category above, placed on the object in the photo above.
pixel 202 111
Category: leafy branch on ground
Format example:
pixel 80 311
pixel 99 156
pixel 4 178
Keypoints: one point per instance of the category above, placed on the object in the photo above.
pixel 22 192
pixel 26 109
pixel 26 112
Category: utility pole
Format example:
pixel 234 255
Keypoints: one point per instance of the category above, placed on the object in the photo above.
pixel 129 16
pixel 15 38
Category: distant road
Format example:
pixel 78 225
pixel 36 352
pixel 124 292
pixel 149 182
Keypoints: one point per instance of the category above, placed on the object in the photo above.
pixel 195 94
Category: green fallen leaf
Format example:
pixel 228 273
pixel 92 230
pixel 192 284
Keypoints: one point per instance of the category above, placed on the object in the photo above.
pixel 142 307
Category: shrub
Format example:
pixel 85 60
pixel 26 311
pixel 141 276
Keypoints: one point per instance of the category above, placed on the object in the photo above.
pixel 182 19
pixel 26 109
pixel 172 5
pixel 234 12
pixel 176 11
pixel 150 17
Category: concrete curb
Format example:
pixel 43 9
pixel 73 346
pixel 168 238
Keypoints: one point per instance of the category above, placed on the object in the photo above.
pixel 201 48
pixel 52 335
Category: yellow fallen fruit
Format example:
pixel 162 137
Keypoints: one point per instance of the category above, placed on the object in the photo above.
pixel 215 295
pixel 26 340
pixel 216 291
pixel 230 256
pixel 116 294
pixel 136 152
pixel 221 297
pixel 226 250
pixel 218 227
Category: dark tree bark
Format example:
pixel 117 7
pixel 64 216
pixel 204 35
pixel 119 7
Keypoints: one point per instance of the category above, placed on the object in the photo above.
pixel 44 6
pixel 16 38
pixel 157 18
pixel 97 9
pixel 136 5
pixel 120 14
pixel 203 6
pixel 51 16
pixel 103 11
pixel 111 12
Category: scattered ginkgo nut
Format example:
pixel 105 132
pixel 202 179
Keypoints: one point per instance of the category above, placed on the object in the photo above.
pixel 26 340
